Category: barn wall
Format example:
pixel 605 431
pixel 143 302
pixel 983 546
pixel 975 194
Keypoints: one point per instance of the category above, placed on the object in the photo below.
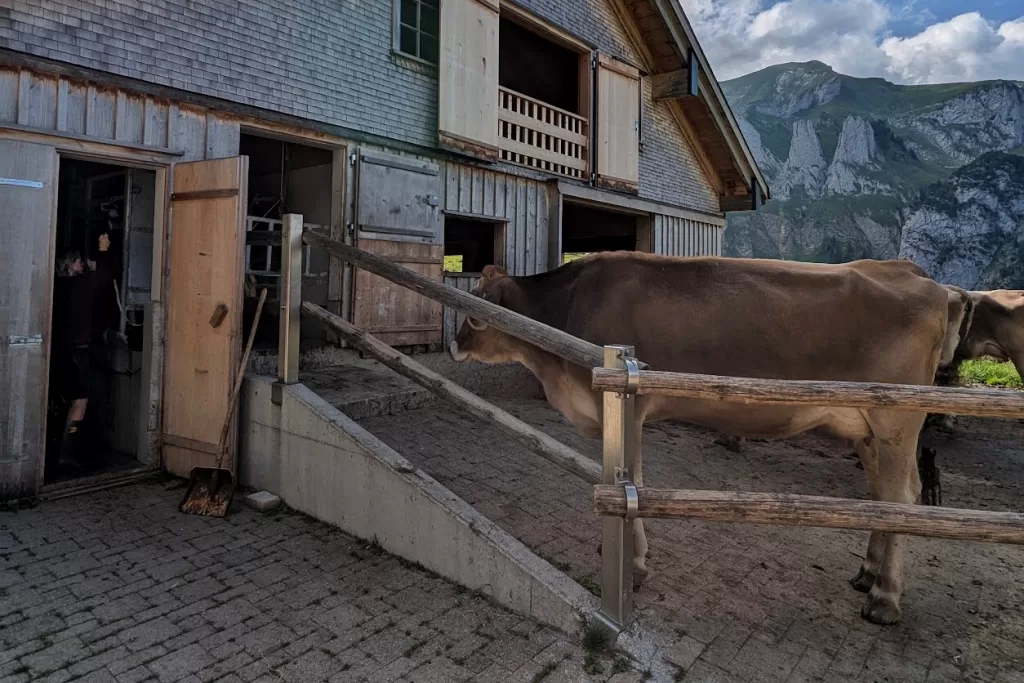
pixel 326 61
pixel 675 236
pixel 333 64
pixel 523 201
pixel 53 104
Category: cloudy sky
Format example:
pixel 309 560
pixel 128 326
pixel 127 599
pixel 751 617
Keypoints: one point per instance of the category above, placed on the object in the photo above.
pixel 905 41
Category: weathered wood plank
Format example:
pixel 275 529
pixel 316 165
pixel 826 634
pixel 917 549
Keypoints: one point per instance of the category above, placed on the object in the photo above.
pixel 816 511
pixel 671 85
pixel 534 439
pixel 745 390
pixel 548 338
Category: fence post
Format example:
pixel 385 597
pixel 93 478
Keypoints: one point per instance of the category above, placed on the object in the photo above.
pixel 291 299
pixel 617 532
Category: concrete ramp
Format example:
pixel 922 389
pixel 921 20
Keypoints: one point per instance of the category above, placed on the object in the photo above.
pixel 297 445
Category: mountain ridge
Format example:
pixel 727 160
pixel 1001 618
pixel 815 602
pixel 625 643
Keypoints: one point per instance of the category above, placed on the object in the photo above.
pixel 849 159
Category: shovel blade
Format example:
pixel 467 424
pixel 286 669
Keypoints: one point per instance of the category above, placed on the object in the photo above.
pixel 209 492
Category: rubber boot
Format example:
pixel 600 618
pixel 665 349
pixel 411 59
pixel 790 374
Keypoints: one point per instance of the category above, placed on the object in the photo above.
pixel 69 446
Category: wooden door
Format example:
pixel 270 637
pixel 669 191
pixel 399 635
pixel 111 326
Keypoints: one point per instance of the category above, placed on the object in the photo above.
pixel 467 108
pixel 618 124
pixel 28 179
pixel 206 271
pixel 398 216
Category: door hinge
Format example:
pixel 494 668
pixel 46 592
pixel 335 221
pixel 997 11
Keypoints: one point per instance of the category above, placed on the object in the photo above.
pixel 25 340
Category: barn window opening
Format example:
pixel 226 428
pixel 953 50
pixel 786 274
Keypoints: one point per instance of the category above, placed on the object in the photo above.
pixel 416 29
pixel 587 229
pixel 471 244
pixel 532 65
pixel 103 281
pixel 284 177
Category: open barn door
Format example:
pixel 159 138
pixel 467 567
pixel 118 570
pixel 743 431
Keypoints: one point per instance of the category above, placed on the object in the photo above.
pixel 203 347
pixel 398 217
pixel 28 175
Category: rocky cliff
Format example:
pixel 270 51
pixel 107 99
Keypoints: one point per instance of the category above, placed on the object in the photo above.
pixel 850 161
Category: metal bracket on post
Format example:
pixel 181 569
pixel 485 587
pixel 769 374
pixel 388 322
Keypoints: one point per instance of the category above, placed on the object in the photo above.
pixel 619 461
pixel 291 299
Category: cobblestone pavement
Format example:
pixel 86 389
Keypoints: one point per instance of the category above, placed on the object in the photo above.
pixel 120 587
pixel 755 603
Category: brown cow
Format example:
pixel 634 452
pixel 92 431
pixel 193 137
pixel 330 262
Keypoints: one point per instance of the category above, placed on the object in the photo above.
pixel 994 327
pixel 866 321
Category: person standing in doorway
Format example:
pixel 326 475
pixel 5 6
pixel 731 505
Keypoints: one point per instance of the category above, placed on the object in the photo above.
pixel 77 285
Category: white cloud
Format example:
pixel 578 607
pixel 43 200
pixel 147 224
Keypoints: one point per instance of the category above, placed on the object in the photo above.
pixel 965 48
pixel 741 36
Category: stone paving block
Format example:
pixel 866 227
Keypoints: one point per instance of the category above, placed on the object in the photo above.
pixel 149 633
pixel 54 657
pixel 179 663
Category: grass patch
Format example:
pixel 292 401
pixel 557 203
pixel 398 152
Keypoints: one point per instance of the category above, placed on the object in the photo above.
pixel 453 264
pixel 990 373
pixel 566 258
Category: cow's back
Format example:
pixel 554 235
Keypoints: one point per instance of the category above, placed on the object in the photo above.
pixel 864 321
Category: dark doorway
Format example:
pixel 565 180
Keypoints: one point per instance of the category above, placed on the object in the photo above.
pixel 587 229
pixel 104 256
pixel 472 244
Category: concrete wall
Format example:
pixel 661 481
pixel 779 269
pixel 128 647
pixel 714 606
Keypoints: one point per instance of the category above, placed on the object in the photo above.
pixel 323 464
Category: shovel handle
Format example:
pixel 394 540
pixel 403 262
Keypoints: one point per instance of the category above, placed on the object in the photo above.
pixel 222 443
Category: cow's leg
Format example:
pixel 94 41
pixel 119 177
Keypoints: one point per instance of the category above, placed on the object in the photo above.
pixel 639 536
pixel 865 577
pixel 896 480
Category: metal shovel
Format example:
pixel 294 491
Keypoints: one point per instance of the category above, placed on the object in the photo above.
pixel 210 488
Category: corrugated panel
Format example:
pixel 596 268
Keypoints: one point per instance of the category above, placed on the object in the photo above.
pixel 452 318
pixel 524 202
pixel 51 103
pixel 675 236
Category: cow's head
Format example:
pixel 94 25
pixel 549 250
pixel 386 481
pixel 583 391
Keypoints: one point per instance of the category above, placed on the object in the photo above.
pixel 476 339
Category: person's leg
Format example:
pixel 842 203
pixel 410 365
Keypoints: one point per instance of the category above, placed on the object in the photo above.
pixel 76 414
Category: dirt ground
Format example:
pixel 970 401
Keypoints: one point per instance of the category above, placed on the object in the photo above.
pixel 757 603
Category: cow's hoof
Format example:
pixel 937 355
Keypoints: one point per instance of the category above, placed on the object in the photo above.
pixel 639 577
pixel 880 611
pixel 863 581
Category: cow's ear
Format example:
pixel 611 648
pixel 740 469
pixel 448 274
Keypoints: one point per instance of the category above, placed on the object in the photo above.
pixel 493 272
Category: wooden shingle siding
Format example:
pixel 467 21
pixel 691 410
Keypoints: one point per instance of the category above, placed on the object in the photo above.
pixel 53 104
pixel 676 236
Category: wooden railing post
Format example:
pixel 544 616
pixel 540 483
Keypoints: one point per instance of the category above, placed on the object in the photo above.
pixel 291 298
pixel 617 532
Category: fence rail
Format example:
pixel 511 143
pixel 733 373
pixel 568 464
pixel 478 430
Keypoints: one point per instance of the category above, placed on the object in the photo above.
pixel 554 341
pixel 917 398
pixel 815 511
pixel 539 135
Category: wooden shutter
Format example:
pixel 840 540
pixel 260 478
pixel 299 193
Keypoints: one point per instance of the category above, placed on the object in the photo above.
pixel 618 125
pixel 28 174
pixel 206 270
pixel 467 109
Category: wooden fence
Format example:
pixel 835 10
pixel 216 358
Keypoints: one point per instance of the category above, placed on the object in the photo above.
pixel 621 377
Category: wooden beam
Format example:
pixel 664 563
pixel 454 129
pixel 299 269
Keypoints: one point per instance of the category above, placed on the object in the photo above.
pixel 554 341
pixel 739 202
pixel 534 439
pixel 671 85
pixel 816 511
pixel 745 390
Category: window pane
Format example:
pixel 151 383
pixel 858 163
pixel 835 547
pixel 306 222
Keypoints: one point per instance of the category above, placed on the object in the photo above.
pixel 409 13
pixel 428 20
pixel 407 40
pixel 428 48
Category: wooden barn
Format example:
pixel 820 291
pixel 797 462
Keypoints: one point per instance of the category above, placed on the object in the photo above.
pixel 444 135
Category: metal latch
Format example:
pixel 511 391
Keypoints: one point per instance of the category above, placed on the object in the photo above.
pixel 629 488
pixel 432 200
pixel 25 340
